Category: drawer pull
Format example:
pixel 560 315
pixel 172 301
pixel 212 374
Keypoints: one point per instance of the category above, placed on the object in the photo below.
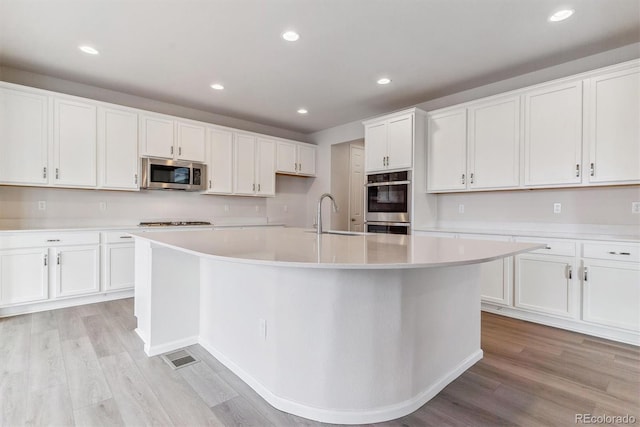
pixel 586 274
pixel 569 271
pixel 126 237
pixel 619 253
pixel 45 260
pixel 53 240
pixel 547 247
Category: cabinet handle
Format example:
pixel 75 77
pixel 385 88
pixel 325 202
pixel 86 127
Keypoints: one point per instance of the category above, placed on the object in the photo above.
pixel 300 167
pixel 172 151
pixel 586 274
pixel 44 172
pixel 471 178
pixel 254 187
pixel 126 237
pixel 592 169
pixel 569 271
pixel 57 173
pixel 135 178
pixel 258 187
pixel 619 253
pixel 58 259
pixel 179 151
pixel 387 160
pixel 53 240
pixel 577 170
pixel 463 180
pixel 45 260
pixel 209 183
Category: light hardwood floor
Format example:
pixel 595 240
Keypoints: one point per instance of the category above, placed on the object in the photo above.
pixel 85 366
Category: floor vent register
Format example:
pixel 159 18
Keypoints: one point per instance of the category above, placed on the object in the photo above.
pixel 179 359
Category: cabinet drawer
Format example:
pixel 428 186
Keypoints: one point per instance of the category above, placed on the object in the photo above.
pixel 612 251
pixel 553 247
pixel 117 237
pixel 32 240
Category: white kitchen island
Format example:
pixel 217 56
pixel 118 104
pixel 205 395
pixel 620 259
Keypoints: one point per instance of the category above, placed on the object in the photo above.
pixel 336 328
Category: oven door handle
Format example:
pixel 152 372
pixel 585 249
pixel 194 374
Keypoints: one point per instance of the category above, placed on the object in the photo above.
pixel 394 224
pixel 379 184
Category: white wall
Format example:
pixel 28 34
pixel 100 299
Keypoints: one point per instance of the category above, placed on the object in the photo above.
pixel 583 206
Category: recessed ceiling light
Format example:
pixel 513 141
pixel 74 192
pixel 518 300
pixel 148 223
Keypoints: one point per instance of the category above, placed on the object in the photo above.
pixel 217 86
pixel 302 111
pixel 384 81
pixel 290 36
pixel 561 15
pixel 88 49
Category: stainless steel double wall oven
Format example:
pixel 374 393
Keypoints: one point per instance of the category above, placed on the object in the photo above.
pixel 388 203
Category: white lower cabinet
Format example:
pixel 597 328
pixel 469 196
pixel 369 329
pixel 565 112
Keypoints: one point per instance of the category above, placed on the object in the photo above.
pixel 24 275
pixel 77 270
pixel 118 261
pixel 544 283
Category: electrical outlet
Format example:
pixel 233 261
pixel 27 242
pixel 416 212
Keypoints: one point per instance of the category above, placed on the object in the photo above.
pixel 461 208
pixel 557 207
pixel 635 207
pixel 103 206
pixel 42 205
pixel 226 208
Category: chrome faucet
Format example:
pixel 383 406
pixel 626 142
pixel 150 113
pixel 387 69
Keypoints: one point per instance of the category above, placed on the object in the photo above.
pixel 319 213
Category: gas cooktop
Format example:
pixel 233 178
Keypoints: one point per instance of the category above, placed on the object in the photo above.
pixel 173 223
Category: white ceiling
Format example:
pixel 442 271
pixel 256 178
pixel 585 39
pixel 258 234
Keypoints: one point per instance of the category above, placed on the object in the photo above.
pixel 172 50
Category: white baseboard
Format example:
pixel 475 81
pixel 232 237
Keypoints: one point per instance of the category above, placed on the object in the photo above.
pixel 170 346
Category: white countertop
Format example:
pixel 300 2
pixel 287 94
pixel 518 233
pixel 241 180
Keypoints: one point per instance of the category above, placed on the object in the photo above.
pixel 296 247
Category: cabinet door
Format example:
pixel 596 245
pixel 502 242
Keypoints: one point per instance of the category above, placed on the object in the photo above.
pixel 265 167
pixel 375 147
pixel 220 161
pixel 611 293
pixel 286 157
pixel 494 144
pixel 306 160
pixel 191 141
pixel 77 270
pixel 119 267
pixel 75 143
pixel 614 127
pixel 244 164
pixel 553 135
pixel 24 276
pixel 447 151
pixel 24 138
pixel 545 284
pixel 400 142
pixel 156 136
pixel 118 149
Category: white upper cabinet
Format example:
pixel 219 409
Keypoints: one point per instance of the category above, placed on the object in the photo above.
pixel 447 150
pixel 553 135
pixel 389 141
pixel 220 162
pixel 613 135
pixel 254 166
pixel 74 143
pixel 168 138
pixel 190 141
pixel 24 137
pixel 293 158
pixel 117 149
pixel 494 144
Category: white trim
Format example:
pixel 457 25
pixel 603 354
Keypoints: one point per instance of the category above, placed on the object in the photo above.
pixel 63 302
pixel 169 346
pixel 387 413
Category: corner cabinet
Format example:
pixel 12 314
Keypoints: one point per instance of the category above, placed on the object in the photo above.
pixel 389 141
pixel 294 158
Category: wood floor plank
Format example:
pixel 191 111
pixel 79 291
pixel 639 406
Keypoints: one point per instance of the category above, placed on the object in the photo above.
pixel 181 402
pixel 13 398
pixel 46 365
pixel 239 412
pixel 49 407
pixel 43 321
pixel 211 388
pixel 87 385
pixel 105 413
pixel 15 345
pixel 70 324
pixel 103 338
pixel 137 403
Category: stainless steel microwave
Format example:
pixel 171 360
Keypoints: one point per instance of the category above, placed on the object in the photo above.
pixel 162 174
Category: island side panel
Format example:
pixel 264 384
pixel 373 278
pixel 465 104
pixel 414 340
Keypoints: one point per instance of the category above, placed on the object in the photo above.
pixel 168 287
pixel 342 345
